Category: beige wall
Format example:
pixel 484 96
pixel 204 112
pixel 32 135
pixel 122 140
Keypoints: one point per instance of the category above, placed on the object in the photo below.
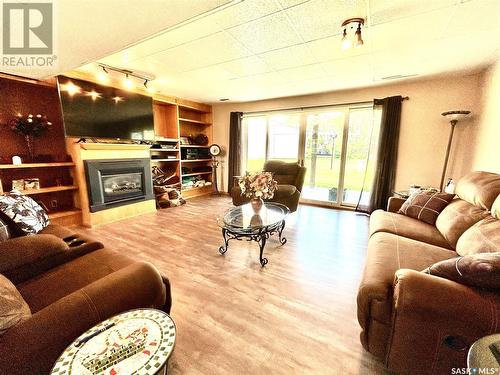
pixel 486 153
pixel 424 132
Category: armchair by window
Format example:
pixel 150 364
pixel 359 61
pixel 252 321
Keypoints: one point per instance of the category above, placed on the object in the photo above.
pixel 290 178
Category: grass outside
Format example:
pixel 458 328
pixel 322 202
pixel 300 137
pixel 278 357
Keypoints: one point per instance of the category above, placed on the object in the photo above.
pixel 327 176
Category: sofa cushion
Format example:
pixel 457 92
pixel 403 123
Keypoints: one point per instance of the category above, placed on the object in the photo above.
pixel 4 231
pixel 477 270
pixel 389 222
pixel 495 208
pixel 67 278
pixel 425 205
pixel 284 179
pixel 24 212
pixel 58 231
pixel 284 191
pixel 13 308
pixel 482 237
pixel 456 218
pixel 479 188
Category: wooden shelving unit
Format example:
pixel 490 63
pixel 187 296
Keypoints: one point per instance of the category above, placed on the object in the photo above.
pixel 36 165
pixel 46 190
pixel 174 120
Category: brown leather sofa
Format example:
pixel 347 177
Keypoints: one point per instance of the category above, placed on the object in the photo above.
pixel 290 178
pixel 422 324
pixel 70 283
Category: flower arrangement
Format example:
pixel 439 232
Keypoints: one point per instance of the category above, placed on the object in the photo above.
pixel 30 127
pixel 257 185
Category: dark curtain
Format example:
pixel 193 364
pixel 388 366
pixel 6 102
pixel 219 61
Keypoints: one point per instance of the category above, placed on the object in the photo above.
pixel 387 154
pixel 234 155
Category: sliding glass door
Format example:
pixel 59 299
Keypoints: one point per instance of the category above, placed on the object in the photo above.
pixel 334 144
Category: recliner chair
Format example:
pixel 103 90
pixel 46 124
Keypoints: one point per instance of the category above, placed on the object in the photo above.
pixel 290 178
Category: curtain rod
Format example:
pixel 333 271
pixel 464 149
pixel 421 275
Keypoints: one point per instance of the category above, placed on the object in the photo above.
pixel 315 106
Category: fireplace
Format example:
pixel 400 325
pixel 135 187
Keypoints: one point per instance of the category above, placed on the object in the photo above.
pixel 113 183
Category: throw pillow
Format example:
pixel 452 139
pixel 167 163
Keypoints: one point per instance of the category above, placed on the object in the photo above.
pixel 4 231
pixel 478 270
pixel 13 308
pixel 24 212
pixel 426 205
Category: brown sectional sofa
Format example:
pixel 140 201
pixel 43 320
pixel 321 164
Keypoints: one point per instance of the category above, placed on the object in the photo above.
pixel 70 283
pixel 418 323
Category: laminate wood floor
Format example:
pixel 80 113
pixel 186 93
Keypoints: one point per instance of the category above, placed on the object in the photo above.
pixel 295 316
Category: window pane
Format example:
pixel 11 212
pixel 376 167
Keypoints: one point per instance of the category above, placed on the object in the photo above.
pixel 256 143
pixel 322 158
pixel 362 129
pixel 284 137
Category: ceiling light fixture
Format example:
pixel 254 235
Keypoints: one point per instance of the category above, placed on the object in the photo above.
pixel 71 88
pixel 349 26
pixel 129 74
pixel 93 94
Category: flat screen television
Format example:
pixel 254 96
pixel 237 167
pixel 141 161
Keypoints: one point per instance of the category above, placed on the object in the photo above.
pixel 91 110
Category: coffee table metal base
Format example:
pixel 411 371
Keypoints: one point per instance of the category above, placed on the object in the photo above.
pixel 260 236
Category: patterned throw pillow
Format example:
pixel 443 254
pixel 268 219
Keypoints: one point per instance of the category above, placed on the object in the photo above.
pixel 24 212
pixel 13 308
pixel 426 205
pixel 478 270
pixel 4 231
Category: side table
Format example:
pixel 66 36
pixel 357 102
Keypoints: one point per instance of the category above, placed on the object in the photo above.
pixel 135 342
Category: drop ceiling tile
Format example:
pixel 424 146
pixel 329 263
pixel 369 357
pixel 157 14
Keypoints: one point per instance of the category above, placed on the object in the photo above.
pixel 217 48
pixel 247 66
pixel 243 12
pixel 322 18
pixel 177 59
pixel 348 67
pixel 291 3
pixel 475 16
pixel 411 30
pixel 266 34
pixel 383 11
pixel 260 80
pixel 330 48
pixel 289 57
pixel 303 73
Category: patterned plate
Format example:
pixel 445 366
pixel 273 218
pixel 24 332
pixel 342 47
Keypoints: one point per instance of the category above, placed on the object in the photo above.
pixel 139 343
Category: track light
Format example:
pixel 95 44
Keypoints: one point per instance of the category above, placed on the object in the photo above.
pixel 103 76
pixel 127 82
pixel 349 25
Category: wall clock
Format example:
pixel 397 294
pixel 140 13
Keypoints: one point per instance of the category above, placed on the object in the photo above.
pixel 214 150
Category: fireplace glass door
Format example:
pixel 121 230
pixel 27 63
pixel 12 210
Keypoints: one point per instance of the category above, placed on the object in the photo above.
pixel 121 186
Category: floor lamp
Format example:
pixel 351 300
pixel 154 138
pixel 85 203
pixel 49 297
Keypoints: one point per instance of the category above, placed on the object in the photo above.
pixel 453 116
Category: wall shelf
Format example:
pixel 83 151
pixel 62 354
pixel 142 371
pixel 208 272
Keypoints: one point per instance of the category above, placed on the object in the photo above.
pixel 46 190
pixel 164 159
pixel 194 121
pixel 195 174
pixel 163 149
pixel 36 165
pixel 113 146
pixel 195 160
pixel 194 146
pixel 59 214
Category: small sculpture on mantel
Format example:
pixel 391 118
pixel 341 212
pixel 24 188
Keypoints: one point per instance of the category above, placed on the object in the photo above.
pixel 30 127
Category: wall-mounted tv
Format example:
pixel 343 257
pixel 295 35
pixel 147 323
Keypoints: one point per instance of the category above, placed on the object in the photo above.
pixel 91 110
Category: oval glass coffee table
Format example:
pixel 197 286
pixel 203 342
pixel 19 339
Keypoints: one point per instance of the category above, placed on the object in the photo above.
pixel 243 223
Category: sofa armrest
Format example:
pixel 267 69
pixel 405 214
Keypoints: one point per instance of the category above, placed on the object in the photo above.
pixel 394 204
pixel 435 320
pixel 33 346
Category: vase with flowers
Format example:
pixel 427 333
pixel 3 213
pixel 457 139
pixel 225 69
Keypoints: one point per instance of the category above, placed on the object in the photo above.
pixel 257 186
pixel 30 127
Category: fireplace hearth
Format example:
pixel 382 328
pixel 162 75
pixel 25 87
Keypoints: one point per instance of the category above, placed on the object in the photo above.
pixel 113 183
